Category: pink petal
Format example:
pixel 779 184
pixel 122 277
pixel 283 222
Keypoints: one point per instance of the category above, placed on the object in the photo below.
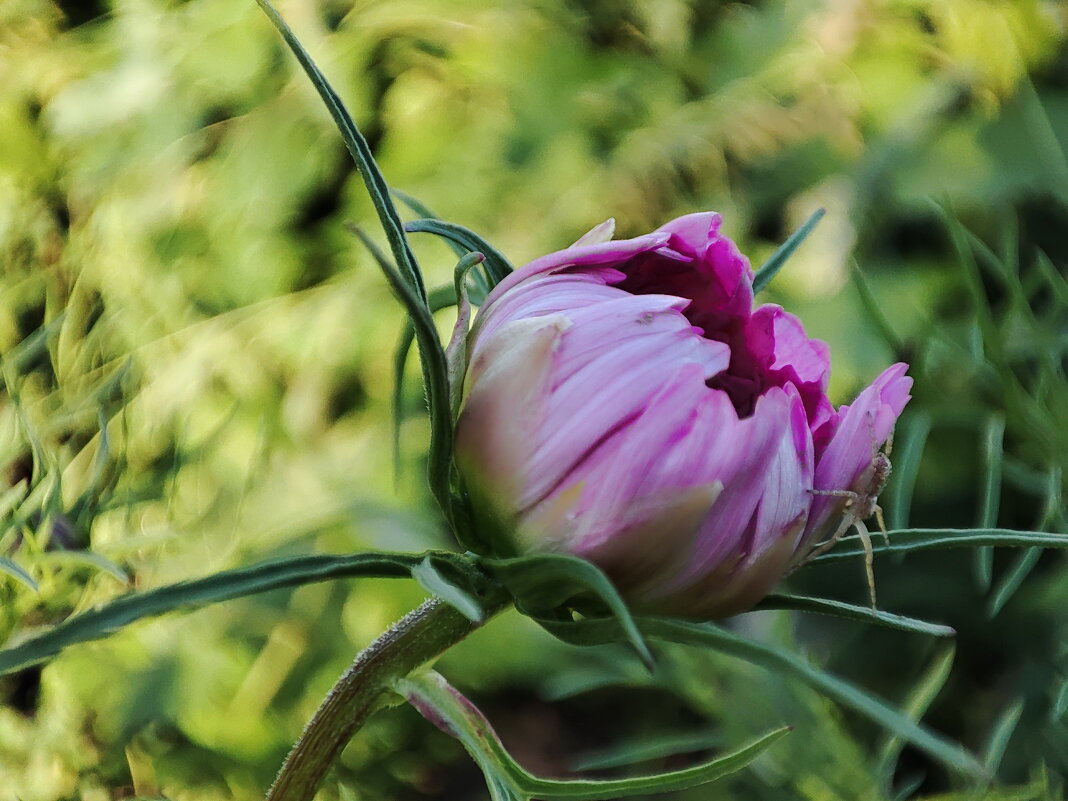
pixel 861 430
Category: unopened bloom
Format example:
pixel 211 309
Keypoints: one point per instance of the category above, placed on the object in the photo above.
pixel 624 402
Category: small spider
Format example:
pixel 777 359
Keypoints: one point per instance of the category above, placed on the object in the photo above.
pixel 861 503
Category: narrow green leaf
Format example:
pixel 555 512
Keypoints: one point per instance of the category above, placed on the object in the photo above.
pixel 409 277
pixel 908 451
pixel 770 657
pixel 441 297
pixel 424 211
pixel 1013 579
pixel 89 559
pixel 1060 702
pixel 984 315
pixel 772 266
pixel 1026 561
pixel 16 572
pixel 996 745
pixel 909 787
pixel 703 773
pixel 435 376
pixel 440 703
pixel 435 582
pixel 482 285
pixel 497 265
pixel 928 539
pixel 826 606
pixel 990 493
pixel 224 586
pixel 361 154
pixel 14 361
pixel 1057 283
pixel 916 705
pixel 1043 136
pixel 540 582
pixel 648 748
pixel 875 313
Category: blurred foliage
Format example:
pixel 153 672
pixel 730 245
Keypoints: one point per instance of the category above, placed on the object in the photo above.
pixel 196 362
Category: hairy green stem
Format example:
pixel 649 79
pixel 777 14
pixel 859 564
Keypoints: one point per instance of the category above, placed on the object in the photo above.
pixel 416 639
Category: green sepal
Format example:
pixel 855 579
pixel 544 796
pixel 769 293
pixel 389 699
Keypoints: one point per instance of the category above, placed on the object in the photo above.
pixel 928 539
pixel 454 714
pixel 865 614
pixel 497 266
pixel 435 376
pixel 708 635
pixel 223 586
pixel 556 583
pixel 456 351
pixel 772 266
pixel 456 580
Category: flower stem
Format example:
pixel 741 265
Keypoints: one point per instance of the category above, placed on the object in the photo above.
pixel 419 637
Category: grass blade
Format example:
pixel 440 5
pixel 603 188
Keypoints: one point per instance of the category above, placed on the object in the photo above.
pixel 875 313
pixel 990 494
pixel 916 705
pixel 907 456
pixel 1000 736
pixel 17 572
pixel 1027 560
pixel 772 266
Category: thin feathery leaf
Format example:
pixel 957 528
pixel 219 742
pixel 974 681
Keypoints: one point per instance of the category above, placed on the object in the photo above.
pixel 435 372
pixel 360 152
pixel 497 266
pixel 450 711
pixel 602 630
pixel 226 585
pixel 441 297
pixel 928 539
pixel 864 614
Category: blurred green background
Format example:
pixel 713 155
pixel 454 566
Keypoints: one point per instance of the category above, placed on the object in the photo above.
pixel 196 361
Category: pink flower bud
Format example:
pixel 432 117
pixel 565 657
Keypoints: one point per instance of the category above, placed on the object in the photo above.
pixel 625 403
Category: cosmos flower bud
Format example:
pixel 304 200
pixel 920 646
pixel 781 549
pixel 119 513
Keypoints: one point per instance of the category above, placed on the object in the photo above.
pixel 625 403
